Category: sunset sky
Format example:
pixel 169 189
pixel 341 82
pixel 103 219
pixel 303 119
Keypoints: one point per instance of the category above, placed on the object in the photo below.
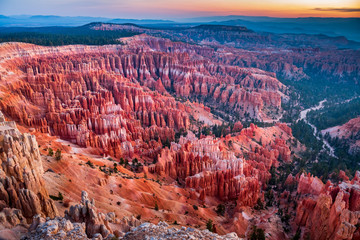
pixel 172 9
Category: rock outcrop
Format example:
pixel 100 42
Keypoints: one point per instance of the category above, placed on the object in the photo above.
pixel 86 212
pixel 201 165
pixel 163 231
pixel 293 56
pixel 21 183
pixel 81 221
pixel 330 212
pixel 57 228
pixel 84 221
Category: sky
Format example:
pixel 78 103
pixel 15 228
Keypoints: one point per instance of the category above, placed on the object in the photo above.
pixel 174 9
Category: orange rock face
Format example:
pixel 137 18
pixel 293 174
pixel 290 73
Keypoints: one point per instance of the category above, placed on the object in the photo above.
pixel 21 183
pixel 201 165
pixel 102 97
pixel 209 167
pixel 85 100
pixel 330 212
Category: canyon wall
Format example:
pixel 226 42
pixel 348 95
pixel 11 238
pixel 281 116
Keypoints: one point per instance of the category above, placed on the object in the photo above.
pixel 116 98
pixel 328 211
pixel 22 188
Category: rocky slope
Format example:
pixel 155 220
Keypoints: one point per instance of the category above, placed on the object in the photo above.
pixel 85 222
pixel 81 221
pixel 22 188
pixel 162 231
pixel 132 194
pixel 331 211
pixel 290 56
pixel 348 132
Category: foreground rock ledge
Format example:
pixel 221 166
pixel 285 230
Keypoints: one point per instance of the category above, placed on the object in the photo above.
pixel 83 221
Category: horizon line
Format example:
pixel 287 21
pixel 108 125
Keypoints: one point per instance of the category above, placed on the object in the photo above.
pixel 169 19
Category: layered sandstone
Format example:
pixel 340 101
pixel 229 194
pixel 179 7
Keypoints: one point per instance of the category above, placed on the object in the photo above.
pixel 330 212
pixel 293 56
pixel 21 183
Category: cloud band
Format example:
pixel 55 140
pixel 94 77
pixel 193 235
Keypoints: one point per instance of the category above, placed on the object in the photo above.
pixel 337 9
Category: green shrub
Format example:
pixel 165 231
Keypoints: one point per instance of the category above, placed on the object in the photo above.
pixel 257 234
pixel 209 225
pixel 59 197
pixel 50 152
pixel 92 165
pixel 58 155
pixel 220 209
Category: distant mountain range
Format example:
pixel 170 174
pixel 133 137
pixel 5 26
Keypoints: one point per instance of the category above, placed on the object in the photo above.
pixel 51 20
pixel 347 27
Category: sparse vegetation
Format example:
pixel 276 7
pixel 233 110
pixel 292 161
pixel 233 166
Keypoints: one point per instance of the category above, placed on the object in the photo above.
pixel 297 235
pixel 181 132
pixel 166 143
pixel 257 234
pixel 90 164
pixel 58 155
pixel 259 205
pixel 209 225
pixel 335 114
pixel 220 209
pixel 59 197
pixel 50 152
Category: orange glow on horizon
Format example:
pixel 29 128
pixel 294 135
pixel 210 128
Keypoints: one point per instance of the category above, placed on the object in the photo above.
pixel 175 9
pixel 271 8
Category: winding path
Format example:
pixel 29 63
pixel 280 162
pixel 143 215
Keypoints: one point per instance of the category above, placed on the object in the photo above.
pixel 303 116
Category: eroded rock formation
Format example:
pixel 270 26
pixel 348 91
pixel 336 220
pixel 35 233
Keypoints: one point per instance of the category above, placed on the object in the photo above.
pixel 209 167
pixel 108 97
pixel 21 183
pixel 81 221
pixel 84 221
pixel 331 211
pixel 163 231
